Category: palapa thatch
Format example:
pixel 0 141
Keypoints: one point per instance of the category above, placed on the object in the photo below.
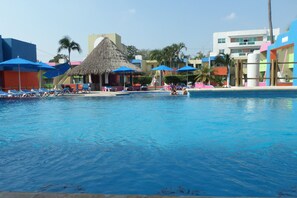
pixel 104 58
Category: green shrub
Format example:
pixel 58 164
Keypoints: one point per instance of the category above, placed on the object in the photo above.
pixel 176 79
pixel 48 86
pixel 143 80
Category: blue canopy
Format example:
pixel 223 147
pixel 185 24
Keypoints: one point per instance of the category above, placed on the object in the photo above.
pixel 162 68
pixel 123 69
pixel 59 70
pixel 20 64
pixel 44 66
pixel 186 68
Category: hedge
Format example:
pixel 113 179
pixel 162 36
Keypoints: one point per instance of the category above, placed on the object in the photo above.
pixel 176 79
pixel 143 80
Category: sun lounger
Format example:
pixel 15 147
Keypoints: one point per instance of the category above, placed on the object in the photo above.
pixel 3 94
pixel 200 85
pixel 109 88
pixel 15 93
pixel 29 93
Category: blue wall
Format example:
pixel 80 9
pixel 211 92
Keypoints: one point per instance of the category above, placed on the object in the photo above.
pixel 283 40
pixel 1 50
pixel 13 48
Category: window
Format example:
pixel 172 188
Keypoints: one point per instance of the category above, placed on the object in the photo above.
pixel 221 40
pixel 221 51
pixel 268 38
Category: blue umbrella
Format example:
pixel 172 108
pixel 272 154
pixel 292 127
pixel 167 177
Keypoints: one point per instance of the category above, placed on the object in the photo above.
pixel 20 63
pixel 162 68
pixel 186 68
pixel 59 70
pixel 123 70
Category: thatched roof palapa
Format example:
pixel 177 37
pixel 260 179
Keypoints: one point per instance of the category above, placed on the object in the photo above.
pixel 104 58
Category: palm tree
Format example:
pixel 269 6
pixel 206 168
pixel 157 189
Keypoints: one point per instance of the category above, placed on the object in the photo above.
pixel 157 55
pixel 205 75
pixel 175 52
pixel 225 60
pixel 68 44
pixel 270 22
pixel 169 54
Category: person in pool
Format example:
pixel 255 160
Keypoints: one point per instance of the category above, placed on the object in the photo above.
pixel 185 92
pixel 173 91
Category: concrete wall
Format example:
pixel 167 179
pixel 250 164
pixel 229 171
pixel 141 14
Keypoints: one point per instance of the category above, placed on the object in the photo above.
pixel 13 48
pixel 115 38
pixel 29 80
pixel 244 46
pixel 284 42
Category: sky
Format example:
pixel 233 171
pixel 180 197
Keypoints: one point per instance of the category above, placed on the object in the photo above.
pixel 146 24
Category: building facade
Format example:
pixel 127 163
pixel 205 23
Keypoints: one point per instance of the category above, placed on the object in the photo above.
pixel 95 39
pixel 240 43
pixel 13 48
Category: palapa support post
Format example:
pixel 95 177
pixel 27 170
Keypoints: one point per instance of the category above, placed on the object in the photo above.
pixel 100 82
pixel 240 73
pixel 237 74
pixel 272 73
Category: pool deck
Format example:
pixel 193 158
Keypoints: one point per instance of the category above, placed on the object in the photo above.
pixel 232 89
pixel 111 94
pixel 63 195
pixel 245 89
pixel 196 90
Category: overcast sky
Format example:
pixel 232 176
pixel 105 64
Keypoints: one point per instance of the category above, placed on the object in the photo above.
pixel 146 24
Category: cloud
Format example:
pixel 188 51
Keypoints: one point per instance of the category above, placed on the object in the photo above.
pixel 132 11
pixel 230 16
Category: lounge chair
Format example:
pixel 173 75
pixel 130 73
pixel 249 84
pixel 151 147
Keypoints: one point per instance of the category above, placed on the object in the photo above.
pixel 109 88
pixel 15 93
pixel 200 85
pixel 3 94
pixel 143 88
pixel 29 93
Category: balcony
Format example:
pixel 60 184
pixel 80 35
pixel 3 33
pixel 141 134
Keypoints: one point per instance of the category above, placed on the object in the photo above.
pixel 245 44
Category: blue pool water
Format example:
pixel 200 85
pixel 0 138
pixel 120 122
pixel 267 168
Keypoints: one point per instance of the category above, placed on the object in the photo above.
pixel 151 144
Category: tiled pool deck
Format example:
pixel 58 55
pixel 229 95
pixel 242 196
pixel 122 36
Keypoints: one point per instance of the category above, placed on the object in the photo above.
pixel 61 195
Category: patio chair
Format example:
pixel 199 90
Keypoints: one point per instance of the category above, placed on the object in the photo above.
pixel 86 88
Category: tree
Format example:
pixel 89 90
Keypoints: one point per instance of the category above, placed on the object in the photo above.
pixel 204 75
pixel 176 52
pixel 145 53
pixel 200 55
pixel 169 54
pixel 69 45
pixel 56 58
pixel 225 60
pixel 270 22
pixel 131 52
pixel 157 55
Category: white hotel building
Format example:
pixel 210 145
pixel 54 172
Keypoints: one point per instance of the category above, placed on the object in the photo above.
pixel 240 43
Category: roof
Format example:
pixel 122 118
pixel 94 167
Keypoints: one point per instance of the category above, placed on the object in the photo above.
pixel 206 59
pixel 264 46
pixel 220 71
pixel 59 70
pixel 104 58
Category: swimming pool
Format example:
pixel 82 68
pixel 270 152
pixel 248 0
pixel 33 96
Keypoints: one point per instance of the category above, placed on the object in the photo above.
pixel 151 144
